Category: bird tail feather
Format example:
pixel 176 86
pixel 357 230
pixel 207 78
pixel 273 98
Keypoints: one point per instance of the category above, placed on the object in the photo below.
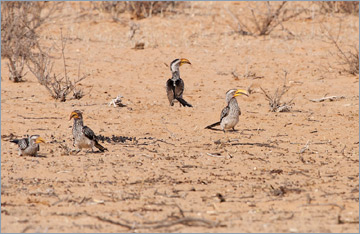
pixel 16 141
pixel 100 147
pixel 212 125
pixel 183 102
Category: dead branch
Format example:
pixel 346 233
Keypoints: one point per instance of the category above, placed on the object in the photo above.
pixel 302 150
pixel 350 57
pixel 324 204
pixel 265 19
pixel 330 98
pixel 341 221
pixel 117 102
pixel 275 103
pixel 19 33
pixel 187 221
pixel 59 87
pixel 217 155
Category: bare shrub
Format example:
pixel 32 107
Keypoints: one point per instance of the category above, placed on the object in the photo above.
pixel 275 103
pixel 349 57
pixel 19 24
pixel 143 9
pixel 59 87
pixel 347 7
pixel 138 9
pixel 264 19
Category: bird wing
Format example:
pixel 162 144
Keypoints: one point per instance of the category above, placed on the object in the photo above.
pixel 22 143
pixel 89 133
pixel 179 87
pixel 224 112
pixel 170 89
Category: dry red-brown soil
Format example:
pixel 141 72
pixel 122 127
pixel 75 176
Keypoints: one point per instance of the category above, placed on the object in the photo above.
pixel 294 171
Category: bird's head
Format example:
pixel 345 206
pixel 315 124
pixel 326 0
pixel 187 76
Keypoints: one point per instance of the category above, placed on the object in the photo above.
pixel 37 139
pixel 174 65
pixel 76 114
pixel 234 93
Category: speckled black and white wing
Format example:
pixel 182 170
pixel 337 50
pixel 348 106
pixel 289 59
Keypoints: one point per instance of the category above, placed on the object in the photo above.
pixel 225 112
pixel 170 87
pixel 22 143
pixel 88 133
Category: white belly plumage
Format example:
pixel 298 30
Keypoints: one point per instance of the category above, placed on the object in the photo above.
pixel 83 142
pixel 31 150
pixel 229 122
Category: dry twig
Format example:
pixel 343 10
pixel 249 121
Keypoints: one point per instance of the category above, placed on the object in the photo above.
pixel 275 103
pixel 350 58
pixel 187 221
pixel 19 25
pixel 265 21
pixel 41 66
pixel 330 98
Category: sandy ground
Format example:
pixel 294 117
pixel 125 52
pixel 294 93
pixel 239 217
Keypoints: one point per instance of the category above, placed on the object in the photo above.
pixel 279 172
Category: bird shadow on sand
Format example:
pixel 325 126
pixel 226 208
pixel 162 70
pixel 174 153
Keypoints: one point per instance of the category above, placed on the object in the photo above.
pixel 219 130
pixel 85 153
pixel 36 156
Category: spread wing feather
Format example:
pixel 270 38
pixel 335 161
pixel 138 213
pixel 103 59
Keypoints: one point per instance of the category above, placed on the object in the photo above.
pixel 22 143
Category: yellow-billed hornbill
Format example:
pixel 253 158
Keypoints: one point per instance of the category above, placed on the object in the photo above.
pixel 83 136
pixel 175 85
pixel 230 114
pixel 29 146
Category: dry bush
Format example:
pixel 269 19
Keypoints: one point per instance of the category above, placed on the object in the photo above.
pixel 275 103
pixel 347 7
pixel 265 17
pixel 350 57
pixel 19 24
pixel 138 9
pixel 41 65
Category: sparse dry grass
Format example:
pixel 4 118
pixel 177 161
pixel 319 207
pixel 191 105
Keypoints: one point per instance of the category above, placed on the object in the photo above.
pixel 347 7
pixel 137 9
pixel 265 17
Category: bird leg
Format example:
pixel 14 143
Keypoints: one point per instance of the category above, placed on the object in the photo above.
pixel 76 151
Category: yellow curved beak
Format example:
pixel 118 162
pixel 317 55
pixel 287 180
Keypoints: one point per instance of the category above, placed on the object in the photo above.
pixel 241 92
pixel 184 61
pixel 73 115
pixel 39 140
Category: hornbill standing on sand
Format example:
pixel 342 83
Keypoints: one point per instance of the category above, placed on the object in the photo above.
pixel 84 137
pixel 175 85
pixel 230 114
